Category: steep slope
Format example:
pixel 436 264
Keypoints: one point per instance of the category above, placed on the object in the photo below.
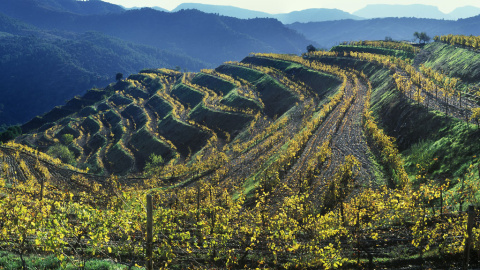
pixel 173 115
pixel 343 160
pixel 43 72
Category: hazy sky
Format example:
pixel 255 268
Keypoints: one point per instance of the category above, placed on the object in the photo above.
pixel 284 6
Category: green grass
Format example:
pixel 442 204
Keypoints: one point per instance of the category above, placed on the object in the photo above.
pixel 276 97
pixel 146 144
pixel 112 117
pixel 187 138
pixel 220 120
pixel 67 129
pixel 235 100
pixel 119 161
pixel 10 261
pixel 119 100
pixel 375 50
pixel 137 93
pixel 56 114
pixel 117 131
pixel 320 83
pixel 454 61
pixel 135 113
pixel 87 111
pixel 96 142
pixel 245 73
pixel 160 106
pixel 216 84
pixel 443 145
pixel 91 125
pixel 94 165
pixel 96 94
pixel 188 96
pixel 77 103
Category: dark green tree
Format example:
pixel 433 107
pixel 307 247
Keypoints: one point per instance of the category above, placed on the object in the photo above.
pixel 62 152
pixel 10 133
pixel 67 139
pixel 119 76
pixel 311 48
pixel 421 37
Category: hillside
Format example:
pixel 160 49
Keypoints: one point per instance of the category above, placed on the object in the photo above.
pixel 328 160
pixel 41 69
pixel 64 49
pixel 214 40
pixel 328 34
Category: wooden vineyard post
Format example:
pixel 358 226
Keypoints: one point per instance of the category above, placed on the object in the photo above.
pixel 468 241
pixel 41 188
pixel 149 251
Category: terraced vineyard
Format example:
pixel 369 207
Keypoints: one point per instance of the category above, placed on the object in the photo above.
pixel 188 117
pixel 265 135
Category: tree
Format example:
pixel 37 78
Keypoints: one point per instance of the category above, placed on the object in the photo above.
pixel 421 37
pixel 67 139
pixel 155 164
pixel 476 116
pixel 119 76
pixel 10 133
pixel 424 37
pixel 311 48
pixel 61 152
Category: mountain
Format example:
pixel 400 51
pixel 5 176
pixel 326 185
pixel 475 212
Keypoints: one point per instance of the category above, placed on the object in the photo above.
pixel 208 37
pixel 85 7
pixel 224 10
pixel 464 12
pixel 160 9
pixel 41 70
pixel 400 11
pixel 307 15
pixel 63 53
pixel 315 15
pixel 328 34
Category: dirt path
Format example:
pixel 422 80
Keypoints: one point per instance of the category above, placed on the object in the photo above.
pixel 346 133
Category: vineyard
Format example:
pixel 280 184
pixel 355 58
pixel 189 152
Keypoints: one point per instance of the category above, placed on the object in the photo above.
pixel 339 159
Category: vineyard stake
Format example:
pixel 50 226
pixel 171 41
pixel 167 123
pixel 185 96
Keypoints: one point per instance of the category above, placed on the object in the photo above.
pixel 149 232
pixel 468 242
pixel 41 188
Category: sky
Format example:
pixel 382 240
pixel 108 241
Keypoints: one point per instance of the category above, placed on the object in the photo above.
pixel 285 6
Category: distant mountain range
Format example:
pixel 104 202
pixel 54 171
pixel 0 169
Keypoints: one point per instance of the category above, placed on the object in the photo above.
pixel 49 53
pixel 328 34
pixel 41 69
pixel 323 14
pixel 416 11
pixel 307 15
